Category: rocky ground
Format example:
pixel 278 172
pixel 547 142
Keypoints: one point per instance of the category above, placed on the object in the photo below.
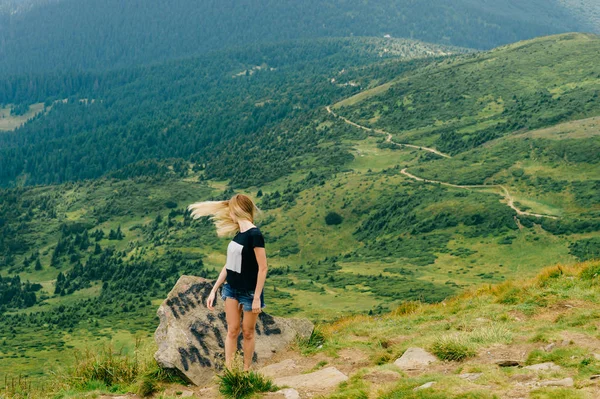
pixel 531 339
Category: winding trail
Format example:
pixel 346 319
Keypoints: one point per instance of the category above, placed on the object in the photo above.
pixel 389 135
pixel 505 193
pixel 509 199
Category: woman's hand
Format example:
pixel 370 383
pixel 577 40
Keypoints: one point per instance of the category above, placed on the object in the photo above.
pixel 210 301
pixel 256 305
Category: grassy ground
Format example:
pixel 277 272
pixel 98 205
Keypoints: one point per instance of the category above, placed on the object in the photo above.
pixel 552 317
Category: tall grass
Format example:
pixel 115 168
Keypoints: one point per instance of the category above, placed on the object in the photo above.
pixel 463 345
pixel 235 383
pixel 453 347
pixel 113 370
pixel 17 387
pixel 106 365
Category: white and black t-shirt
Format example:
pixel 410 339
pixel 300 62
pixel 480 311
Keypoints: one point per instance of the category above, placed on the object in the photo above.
pixel 242 267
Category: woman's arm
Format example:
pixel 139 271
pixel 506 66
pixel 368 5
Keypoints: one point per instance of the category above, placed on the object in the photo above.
pixel 220 280
pixel 261 259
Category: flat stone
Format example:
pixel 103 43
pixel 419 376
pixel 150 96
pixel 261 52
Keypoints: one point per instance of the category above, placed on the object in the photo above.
pixel 191 337
pixel 187 394
pixel 565 382
pixel 415 358
pixel 273 395
pixel 290 393
pixel 275 369
pixel 547 366
pixel 470 376
pixel 287 393
pixel 328 377
pixel 425 386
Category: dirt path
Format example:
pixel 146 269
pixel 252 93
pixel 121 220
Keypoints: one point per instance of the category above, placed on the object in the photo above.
pixel 509 199
pixel 504 191
pixel 389 135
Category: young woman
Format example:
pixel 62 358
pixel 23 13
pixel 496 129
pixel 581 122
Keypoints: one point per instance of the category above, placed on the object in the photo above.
pixel 245 269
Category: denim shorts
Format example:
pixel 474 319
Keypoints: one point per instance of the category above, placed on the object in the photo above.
pixel 244 297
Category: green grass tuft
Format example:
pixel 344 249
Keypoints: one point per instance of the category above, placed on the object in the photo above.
pixel 453 347
pixel 235 383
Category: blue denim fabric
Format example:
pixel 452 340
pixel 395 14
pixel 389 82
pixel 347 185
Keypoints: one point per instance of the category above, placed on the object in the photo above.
pixel 245 297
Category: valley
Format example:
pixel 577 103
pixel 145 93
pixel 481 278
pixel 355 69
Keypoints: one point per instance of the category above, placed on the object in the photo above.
pixel 413 159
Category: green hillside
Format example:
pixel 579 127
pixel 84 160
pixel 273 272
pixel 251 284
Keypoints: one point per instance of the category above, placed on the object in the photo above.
pixel 461 104
pixel 89 260
pixel 206 109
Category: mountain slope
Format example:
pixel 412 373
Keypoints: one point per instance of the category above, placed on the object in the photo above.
pixel 545 326
pixel 104 34
pixel 347 231
pixel 98 123
pixel 457 105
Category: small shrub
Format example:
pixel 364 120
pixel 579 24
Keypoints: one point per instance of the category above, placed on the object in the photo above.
pixel 548 274
pixel 159 374
pixel 381 357
pixel 235 383
pixel 491 335
pixel 147 387
pixel 317 338
pixel 106 366
pixel 566 356
pixel 406 308
pixel 318 366
pixel 511 296
pixel 333 218
pixel 539 337
pixel 452 347
pixel 590 273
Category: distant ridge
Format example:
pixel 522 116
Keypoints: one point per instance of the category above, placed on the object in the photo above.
pixel 114 33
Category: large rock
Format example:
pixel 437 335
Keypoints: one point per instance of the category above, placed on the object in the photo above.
pixel 191 338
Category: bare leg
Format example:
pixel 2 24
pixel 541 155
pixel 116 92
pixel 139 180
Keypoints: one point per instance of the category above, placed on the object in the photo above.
pixel 233 314
pixel 248 327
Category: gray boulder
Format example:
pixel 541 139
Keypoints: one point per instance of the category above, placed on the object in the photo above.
pixel 191 338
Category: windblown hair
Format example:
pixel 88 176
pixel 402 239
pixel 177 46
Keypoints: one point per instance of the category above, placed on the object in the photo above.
pixel 240 205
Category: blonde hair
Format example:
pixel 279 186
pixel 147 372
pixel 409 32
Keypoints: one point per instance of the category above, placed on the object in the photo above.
pixel 240 205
